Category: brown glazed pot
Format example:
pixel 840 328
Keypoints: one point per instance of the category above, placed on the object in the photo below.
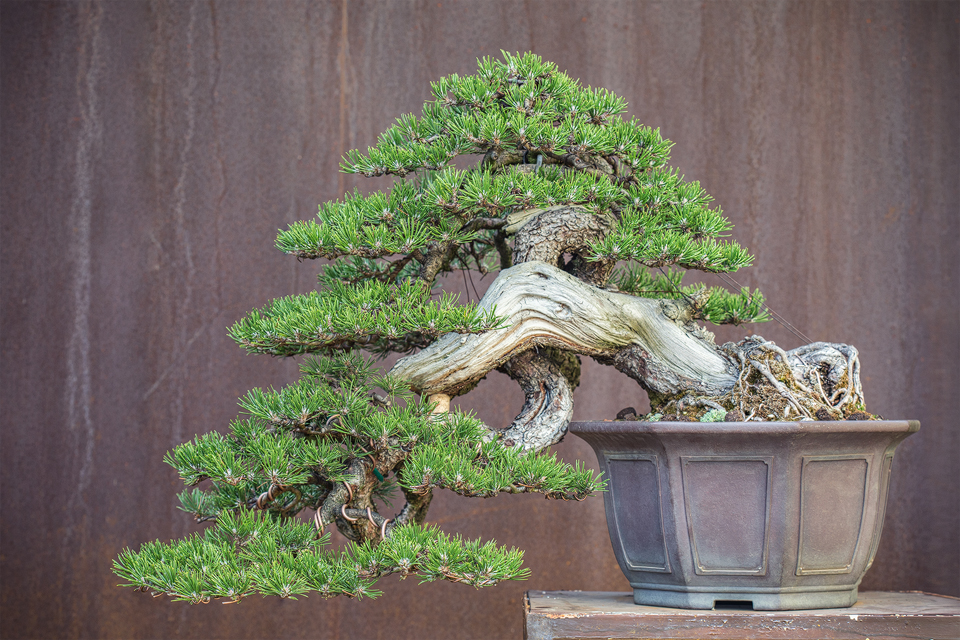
pixel 773 515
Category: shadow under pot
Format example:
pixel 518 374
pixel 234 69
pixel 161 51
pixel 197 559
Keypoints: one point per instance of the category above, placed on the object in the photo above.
pixel 761 515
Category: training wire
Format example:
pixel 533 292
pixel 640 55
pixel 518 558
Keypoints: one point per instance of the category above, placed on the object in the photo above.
pixel 776 316
pixel 773 314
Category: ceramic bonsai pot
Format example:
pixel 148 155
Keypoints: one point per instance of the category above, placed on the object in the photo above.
pixel 773 515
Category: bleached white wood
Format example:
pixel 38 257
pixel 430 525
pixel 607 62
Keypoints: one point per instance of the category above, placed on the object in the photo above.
pixel 546 306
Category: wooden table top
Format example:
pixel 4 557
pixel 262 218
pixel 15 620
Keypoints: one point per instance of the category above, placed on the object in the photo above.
pixel 551 615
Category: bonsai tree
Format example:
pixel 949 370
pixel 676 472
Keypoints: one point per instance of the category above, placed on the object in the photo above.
pixel 562 190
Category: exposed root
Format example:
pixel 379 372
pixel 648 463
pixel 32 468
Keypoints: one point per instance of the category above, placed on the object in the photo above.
pixel 819 381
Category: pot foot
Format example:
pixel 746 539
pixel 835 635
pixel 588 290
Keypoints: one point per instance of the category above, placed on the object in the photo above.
pixel 748 601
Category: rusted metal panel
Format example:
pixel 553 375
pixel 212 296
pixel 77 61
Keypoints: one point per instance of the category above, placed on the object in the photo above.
pixel 575 615
pixel 150 150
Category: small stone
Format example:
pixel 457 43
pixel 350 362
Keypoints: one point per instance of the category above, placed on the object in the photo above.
pixel 823 415
pixel 508 442
pixel 733 416
pixel 627 414
pixel 671 417
pixel 859 415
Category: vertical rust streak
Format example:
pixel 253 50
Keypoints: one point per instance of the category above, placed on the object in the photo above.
pixel 182 232
pixel 79 386
pixel 79 383
pixel 343 65
pixel 218 150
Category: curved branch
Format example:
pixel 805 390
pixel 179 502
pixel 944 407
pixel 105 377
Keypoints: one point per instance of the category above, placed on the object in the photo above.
pixel 548 233
pixel 548 404
pixel 415 508
pixel 548 307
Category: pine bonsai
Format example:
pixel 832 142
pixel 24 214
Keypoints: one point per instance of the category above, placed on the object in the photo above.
pixel 562 191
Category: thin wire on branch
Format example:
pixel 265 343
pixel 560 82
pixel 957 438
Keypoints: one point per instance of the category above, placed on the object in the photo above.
pixel 776 316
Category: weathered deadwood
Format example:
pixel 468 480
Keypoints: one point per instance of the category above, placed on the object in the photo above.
pixel 548 307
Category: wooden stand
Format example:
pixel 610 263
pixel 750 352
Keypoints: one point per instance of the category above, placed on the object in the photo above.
pixel 552 615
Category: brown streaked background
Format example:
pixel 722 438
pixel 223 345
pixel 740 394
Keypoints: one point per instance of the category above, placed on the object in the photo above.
pixel 150 151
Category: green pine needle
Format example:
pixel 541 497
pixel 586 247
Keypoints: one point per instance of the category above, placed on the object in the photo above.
pixel 246 553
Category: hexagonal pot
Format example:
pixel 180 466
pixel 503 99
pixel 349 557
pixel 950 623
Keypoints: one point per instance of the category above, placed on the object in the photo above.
pixel 773 515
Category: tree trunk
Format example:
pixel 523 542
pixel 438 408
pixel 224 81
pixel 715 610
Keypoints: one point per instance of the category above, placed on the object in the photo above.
pixel 554 307
pixel 546 307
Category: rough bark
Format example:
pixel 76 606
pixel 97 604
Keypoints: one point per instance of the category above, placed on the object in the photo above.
pixel 549 234
pixel 548 399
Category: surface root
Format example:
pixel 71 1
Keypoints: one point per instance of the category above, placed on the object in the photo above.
pixel 819 381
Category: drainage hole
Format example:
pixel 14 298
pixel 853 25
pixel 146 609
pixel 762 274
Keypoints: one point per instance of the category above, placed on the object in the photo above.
pixel 733 605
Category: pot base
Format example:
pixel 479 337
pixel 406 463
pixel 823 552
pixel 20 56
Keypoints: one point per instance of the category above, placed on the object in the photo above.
pixel 748 600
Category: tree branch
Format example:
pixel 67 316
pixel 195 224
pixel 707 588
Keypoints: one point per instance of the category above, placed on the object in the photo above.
pixel 415 509
pixel 484 223
pixel 548 405
pixel 434 261
pixel 558 230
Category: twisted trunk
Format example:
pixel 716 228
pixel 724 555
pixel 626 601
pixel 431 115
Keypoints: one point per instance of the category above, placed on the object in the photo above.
pixel 556 305
pixel 649 340
pixel 547 307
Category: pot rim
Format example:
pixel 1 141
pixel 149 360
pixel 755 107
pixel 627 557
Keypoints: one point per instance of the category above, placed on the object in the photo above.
pixel 729 428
